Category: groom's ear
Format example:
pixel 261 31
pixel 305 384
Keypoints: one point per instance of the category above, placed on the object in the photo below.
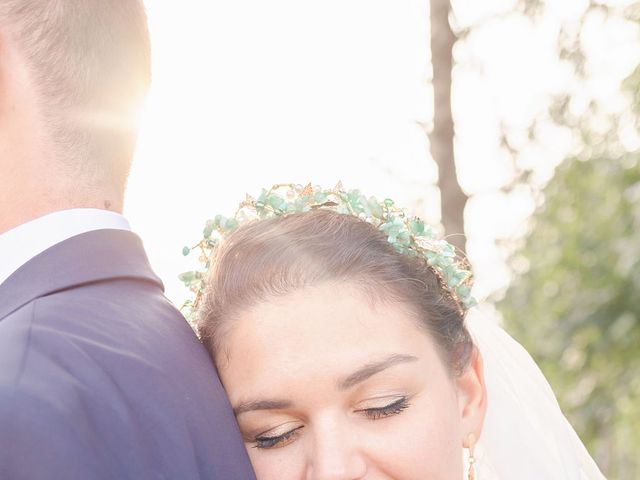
pixel 472 397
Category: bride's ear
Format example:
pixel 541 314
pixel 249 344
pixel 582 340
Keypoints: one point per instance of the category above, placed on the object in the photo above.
pixel 472 396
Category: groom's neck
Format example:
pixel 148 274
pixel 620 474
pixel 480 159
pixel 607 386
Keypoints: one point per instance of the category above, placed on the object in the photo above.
pixel 26 194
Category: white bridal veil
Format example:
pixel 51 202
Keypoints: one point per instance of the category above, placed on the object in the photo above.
pixel 525 435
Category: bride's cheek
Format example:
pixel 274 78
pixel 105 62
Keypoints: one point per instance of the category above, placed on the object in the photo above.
pixel 424 444
pixel 285 463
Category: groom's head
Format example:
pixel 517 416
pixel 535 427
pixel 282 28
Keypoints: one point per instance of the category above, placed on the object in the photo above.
pixel 73 74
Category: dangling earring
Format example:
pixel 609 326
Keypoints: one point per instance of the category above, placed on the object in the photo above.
pixel 471 439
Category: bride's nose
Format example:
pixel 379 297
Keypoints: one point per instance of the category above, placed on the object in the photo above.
pixel 335 454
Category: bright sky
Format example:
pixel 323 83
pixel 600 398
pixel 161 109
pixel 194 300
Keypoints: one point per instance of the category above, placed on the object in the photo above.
pixel 250 93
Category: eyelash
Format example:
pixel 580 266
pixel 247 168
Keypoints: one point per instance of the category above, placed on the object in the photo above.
pixel 394 408
pixel 388 410
pixel 275 442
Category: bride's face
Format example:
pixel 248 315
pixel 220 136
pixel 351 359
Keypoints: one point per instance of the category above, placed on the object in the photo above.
pixel 326 384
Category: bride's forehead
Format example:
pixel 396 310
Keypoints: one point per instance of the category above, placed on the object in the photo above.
pixel 332 303
pixel 332 319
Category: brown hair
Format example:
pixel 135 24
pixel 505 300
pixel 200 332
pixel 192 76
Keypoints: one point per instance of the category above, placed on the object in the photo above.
pixel 90 62
pixel 275 256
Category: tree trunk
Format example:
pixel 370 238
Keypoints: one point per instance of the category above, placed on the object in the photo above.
pixel 452 198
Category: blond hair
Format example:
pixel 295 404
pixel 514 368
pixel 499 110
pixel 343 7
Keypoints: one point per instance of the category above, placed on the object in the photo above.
pixel 90 63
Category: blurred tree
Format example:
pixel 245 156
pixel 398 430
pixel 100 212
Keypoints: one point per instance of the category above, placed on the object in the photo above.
pixel 576 309
pixel 574 304
pixel 452 197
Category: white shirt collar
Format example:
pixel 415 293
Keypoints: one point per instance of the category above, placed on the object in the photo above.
pixel 22 243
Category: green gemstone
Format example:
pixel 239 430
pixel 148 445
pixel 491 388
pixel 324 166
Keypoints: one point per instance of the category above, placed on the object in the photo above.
pixel 463 291
pixel 375 208
pixel 417 227
pixel 231 224
pixel 219 220
pixel 188 277
pixel 209 228
pixel 320 197
pixel 448 250
pixel 404 238
pixel 449 271
pixel 276 202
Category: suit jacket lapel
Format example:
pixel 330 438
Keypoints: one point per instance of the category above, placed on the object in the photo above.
pixel 91 257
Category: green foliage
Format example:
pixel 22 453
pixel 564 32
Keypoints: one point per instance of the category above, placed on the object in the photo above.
pixel 577 309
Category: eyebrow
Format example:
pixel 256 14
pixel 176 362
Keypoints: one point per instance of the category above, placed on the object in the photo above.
pixel 261 405
pixel 371 369
pixel 355 378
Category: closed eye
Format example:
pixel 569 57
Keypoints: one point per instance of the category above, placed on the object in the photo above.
pixel 393 408
pixel 276 441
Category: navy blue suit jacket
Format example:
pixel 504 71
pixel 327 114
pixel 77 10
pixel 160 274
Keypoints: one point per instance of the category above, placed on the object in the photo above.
pixel 101 377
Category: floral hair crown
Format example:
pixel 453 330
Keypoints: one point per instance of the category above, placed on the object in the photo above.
pixel 409 236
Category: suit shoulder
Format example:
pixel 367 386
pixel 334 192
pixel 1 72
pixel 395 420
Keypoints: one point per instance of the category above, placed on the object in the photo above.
pixel 29 423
